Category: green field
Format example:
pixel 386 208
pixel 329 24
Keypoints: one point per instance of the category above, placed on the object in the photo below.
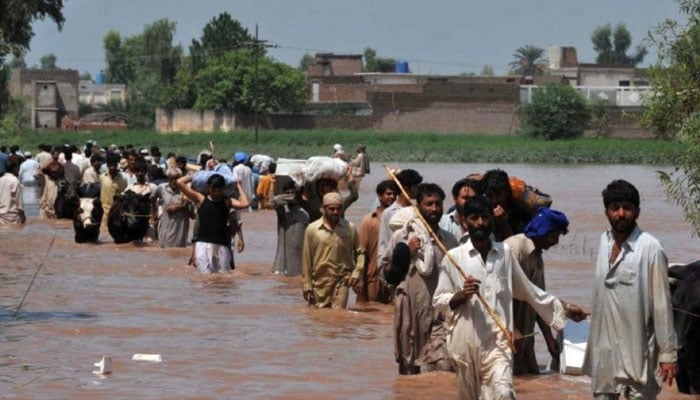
pixel 381 146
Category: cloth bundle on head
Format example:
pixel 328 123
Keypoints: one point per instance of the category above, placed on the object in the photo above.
pixel 332 198
pixel 545 222
pixel 240 156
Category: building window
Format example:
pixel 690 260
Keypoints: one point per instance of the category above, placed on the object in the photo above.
pixel 623 83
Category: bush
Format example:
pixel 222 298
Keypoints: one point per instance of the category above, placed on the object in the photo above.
pixel 556 112
pixel 13 120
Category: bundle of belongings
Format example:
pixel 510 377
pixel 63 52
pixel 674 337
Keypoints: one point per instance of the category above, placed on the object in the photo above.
pixel 311 170
pixel 200 178
pixel 261 162
pixel 528 197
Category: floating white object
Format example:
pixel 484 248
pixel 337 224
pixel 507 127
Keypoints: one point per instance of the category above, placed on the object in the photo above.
pixel 574 349
pixel 147 357
pixel 104 365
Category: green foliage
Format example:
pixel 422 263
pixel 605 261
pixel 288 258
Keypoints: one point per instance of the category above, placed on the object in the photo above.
pixel 487 70
pixel 18 61
pixel 143 61
pixel 148 64
pixel 48 61
pixel 228 82
pixel 306 60
pixel 555 112
pixel 600 120
pixel 612 46
pixel 16 18
pixel 221 35
pixel 527 60
pixel 13 120
pixel 674 109
pixel 378 64
pixel 85 76
pixel 140 113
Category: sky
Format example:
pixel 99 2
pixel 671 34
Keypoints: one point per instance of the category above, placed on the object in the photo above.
pixel 443 37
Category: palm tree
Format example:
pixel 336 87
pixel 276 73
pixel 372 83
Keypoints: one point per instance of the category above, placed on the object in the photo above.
pixel 527 59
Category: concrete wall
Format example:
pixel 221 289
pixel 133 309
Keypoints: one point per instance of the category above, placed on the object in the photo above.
pixel 194 121
pixel 601 76
pixel 46 90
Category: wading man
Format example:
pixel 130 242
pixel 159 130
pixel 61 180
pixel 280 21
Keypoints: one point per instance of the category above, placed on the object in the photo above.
pixel 410 263
pixel 479 350
pixel 212 250
pixel 541 233
pixel 332 259
pixel 632 342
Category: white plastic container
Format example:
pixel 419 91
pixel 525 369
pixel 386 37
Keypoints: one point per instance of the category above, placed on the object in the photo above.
pixel 147 357
pixel 574 347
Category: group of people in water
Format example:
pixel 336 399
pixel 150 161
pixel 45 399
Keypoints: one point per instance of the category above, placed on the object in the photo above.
pixel 467 283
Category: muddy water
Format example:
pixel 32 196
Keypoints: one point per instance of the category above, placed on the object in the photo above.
pixel 248 334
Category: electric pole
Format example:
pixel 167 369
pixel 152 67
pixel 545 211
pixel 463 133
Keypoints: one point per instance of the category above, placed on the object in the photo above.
pixel 258 46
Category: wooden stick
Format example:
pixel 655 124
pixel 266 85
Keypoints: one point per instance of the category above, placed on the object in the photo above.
pixel 506 333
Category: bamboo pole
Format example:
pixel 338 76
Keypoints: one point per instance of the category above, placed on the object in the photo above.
pixel 506 333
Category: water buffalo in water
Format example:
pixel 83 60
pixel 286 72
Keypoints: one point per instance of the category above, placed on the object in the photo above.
pixel 128 217
pixel 67 199
pixel 685 291
pixel 87 220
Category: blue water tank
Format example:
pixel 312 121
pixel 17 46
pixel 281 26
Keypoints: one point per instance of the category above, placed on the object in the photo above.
pixel 402 67
pixel 100 78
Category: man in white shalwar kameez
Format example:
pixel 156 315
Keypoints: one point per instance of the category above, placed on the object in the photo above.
pixel 632 334
pixel 480 352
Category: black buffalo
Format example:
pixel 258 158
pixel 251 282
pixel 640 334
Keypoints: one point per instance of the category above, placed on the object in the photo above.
pixel 128 217
pixel 87 220
pixel 67 199
pixel 686 315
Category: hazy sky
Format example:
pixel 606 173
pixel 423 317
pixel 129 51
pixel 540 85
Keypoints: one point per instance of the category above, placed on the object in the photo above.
pixel 434 36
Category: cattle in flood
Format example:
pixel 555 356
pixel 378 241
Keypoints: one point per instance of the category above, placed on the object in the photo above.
pixel 685 289
pixel 87 220
pixel 128 217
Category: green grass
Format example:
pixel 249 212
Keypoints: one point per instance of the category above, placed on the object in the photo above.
pixel 382 146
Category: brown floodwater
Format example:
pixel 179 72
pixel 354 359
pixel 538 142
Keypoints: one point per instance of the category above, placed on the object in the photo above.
pixel 248 334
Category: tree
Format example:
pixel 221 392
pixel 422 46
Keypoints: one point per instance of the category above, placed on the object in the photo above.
pixel 378 64
pixel 18 61
pixel 527 60
pixel 612 46
pixel 85 76
pixel 220 35
pixel 227 83
pixel 306 60
pixel 16 18
pixel 556 112
pixel 147 63
pixel 487 70
pixel 48 61
pixel 674 109
pixel 118 68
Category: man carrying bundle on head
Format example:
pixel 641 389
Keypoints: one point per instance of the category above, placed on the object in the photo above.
pixel 212 250
pixel 321 176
